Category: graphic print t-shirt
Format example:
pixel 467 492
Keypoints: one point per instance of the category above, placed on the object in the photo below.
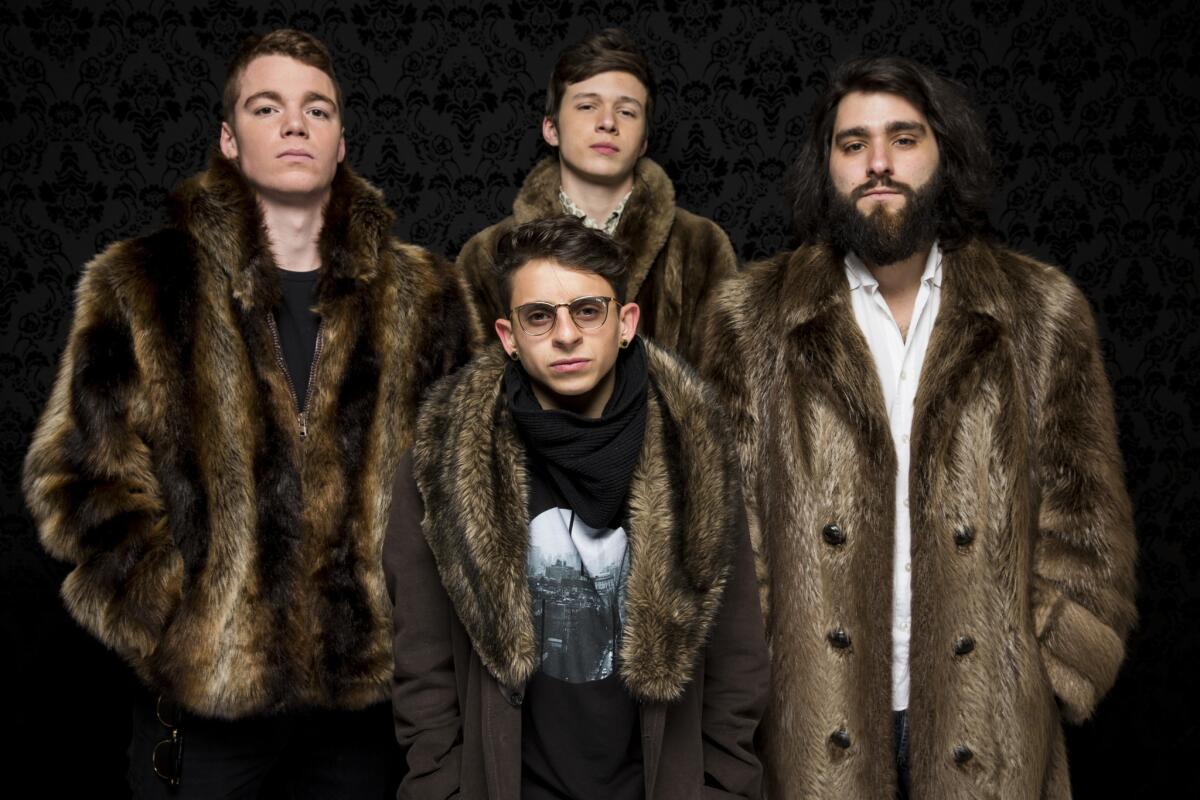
pixel 581 733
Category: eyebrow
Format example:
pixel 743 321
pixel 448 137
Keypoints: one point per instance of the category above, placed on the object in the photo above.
pixel 595 96
pixel 309 97
pixel 892 128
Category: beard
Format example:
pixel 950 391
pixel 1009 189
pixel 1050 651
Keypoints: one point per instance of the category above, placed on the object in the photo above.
pixel 884 237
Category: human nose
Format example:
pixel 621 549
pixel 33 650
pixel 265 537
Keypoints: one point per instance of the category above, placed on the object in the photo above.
pixel 565 331
pixel 880 162
pixel 607 120
pixel 294 123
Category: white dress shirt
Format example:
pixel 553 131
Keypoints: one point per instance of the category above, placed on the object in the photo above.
pixel 898 363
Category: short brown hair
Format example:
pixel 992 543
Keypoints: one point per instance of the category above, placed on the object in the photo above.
pixel 566 241
pixel 610 50
pixel 303 47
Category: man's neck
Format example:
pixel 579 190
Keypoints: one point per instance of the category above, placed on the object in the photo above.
pixel 293 231
pixel 597 200
pixel 899 283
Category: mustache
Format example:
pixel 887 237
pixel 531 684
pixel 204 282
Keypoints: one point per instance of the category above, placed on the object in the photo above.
pixel 885 182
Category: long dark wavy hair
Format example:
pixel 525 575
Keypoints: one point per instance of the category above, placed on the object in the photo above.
pixel 966 168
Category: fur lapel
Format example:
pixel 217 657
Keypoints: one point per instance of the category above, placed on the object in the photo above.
pixel 218 208
pixel 469 464
pixel 830 354
pixel 968 335
pixel 645 223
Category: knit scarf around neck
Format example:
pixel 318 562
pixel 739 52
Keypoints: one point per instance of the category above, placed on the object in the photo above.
pixel 589 460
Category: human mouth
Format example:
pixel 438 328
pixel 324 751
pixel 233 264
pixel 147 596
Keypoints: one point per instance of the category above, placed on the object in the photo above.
pixel 568 365
pixel 605 148
pixel 301 154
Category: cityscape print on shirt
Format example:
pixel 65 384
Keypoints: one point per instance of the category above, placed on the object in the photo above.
pixel 576 577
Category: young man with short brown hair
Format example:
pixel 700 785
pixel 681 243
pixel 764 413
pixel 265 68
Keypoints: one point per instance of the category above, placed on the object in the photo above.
pixel 598 113
pixel 217 454
pixel 574 611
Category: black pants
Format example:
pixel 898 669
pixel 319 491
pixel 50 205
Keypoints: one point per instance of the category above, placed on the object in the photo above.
pixel 316 754
pixel 901 722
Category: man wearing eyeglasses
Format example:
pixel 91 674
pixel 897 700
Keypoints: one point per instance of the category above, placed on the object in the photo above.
pixel 217 454
pixel 599 105
pixel 574 612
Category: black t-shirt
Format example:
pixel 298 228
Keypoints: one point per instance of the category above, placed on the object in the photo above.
pixel 581 731
pixel 298 325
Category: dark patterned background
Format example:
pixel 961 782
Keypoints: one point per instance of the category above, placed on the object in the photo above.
pixel 1092 107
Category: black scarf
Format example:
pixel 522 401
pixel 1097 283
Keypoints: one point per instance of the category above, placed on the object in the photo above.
pixel 590 461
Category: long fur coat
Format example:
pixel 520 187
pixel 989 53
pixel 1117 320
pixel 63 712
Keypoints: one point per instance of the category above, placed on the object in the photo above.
pixel 232 562
pixel 679 258
pixel 1022 539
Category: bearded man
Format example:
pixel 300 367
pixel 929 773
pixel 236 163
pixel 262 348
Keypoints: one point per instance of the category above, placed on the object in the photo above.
pixel 943 538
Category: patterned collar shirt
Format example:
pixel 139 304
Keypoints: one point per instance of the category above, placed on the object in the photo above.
pixel 898 362
pixel 609 225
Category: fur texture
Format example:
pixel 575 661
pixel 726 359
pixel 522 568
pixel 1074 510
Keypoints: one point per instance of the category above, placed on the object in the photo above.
pixel 469 464
pixel 232 563
pixel 1022 530
pixel 678 258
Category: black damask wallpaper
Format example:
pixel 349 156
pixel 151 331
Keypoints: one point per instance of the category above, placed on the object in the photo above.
pixel 1093 110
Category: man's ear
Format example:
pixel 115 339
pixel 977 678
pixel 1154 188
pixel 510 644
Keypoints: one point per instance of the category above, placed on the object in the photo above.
pixel 229 146
pixel 645 144
pixel 550 131
pixel 630 314
pixel 341 147
pixel 505 332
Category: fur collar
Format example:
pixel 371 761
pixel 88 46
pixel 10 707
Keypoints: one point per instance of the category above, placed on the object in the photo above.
pixel 645 223
pixel 829 354
pixel 218 210
pixel 469 464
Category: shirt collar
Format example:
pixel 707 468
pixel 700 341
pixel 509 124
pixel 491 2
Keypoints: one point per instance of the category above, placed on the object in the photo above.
pixel 860 277
pixel 609 225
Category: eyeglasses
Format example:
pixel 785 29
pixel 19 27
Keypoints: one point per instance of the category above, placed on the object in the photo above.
pixel 587 313
pixel 167 758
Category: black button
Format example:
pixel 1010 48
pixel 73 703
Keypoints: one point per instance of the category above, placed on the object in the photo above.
pixel 963 645
pixel 839 639
pixel 516 698
pixel 840 738
pixel 964 535
pixel 834 534
pixel 962 754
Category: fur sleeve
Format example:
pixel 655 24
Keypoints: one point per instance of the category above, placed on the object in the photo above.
pixel 1084 556
pixel 474 263
pixel 89 483
pixel 711 261
pixel 449 328
pixel 725 363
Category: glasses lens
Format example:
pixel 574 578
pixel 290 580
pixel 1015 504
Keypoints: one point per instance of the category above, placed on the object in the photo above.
pixel 167 712
pixel 167 759
pixel 589 312
pixel 536 318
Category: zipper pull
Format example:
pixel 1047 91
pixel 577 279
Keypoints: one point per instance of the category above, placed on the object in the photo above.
pixel 303 424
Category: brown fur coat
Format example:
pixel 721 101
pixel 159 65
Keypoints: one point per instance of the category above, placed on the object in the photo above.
pixel 692 649
pixel 678 257
pixel 1022 537
pixel 233 563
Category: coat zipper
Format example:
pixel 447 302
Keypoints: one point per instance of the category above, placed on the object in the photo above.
pixel 301 416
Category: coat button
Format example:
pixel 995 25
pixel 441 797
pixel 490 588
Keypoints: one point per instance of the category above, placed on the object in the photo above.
pixel 963 645
pixel 516 698
pixel 840 738
pixel 962 754
pixel 834 534
pixel 964 535
pixel 839 639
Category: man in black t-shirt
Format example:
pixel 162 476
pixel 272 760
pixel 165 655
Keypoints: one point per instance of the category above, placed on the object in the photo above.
pixel 574 605
pixel 216 455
